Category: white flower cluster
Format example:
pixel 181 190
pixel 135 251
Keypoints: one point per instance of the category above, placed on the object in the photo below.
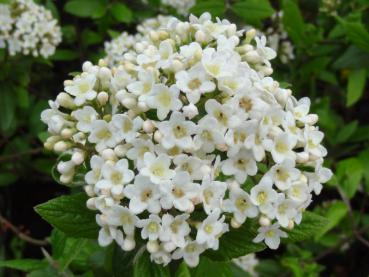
pixel 174 136
pixel 28 28
pixel 125 42
pixel 247 263
pixel 182 7
pixel 277 38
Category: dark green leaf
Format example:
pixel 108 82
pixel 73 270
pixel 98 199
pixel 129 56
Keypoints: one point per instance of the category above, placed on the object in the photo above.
pixel 70 215
pixel 86 8
pixel 346 132
pixel 355 86
pixel 24 264
pixel 183 270
pixel 253 11
pixel 349 173
pixel 208 267
pixel 214 7
pixel 144 267
pixel 121 13
pixel 64 55
pixel 335 213
pixel 310 225
pixel 7 178
pixel 356 33
pixel 122 261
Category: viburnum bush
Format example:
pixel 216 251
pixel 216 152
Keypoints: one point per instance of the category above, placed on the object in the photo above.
pixel 185 140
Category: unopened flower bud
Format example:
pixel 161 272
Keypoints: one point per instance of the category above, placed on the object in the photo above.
pixel 86 66
pixel 65 168
pixel 200 36
pixel 169 246
pixel 91 204
pixel 235 224
pixel 66 133
pixel 291 224
pixel 65 179
pixel 158 136
pixel 78 157
pixel 103 98
pixel 252 57
pixel 250 34
pixel 148 126
pixel 60 146
pixel 65 100
pixel 190 111
pixel 108 155
pixel 129 244
pixel 264 221
pixel 129 102
pixel 142 106
pixel 152 246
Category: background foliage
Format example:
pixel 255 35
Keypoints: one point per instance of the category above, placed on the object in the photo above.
pixel 331 40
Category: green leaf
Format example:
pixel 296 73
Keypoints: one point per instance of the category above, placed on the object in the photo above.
pixel 335 213
pixel 310 225
pixel 70 215
pixel 7 178
pixel 86 8
pixel 183 270
pixel 64 55
pixel 237 243
pixel 7 107
pixel 24 264
pixel 349 173
pixel 22 97
pixel 355 86
pixel 346 132
pixel 293 21
pixel 121 13
pixel 208 267
pixel 214 7
pixel 122 261
pixel 90 37
pixel 356 33
pixel 253 11
pixel 144 267
pixel 352 58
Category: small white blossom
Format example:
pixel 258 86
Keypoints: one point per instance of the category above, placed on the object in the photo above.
pixel 271 235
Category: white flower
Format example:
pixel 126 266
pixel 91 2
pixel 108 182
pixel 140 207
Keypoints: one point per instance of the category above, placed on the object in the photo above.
pixel 122 217
pixel 240 165
pixel 315 179
pixel 179 192
pixel 222 113
pixel 194 83
pixel 211 229
pixel 102 134
pixel 271 235
pixel 263 195
pixel 240 204
pixel 115 176
pixel 285 210
pixel 93 176
pixel 85 117
pixel 313 139
pixel 164 100
pixel 143 86
pixel 177 131
pixel 298 192
pixel 175 229
pixel 82 87
pixel 190 253
pixel 151 227
pixel 265 52
pixel 284 174
pixel 212 193
pixel 143 195
pixel 127 128
pixel 192 165
pixel 108 234
pixel 139 147
pixel 219 63
pixel 281 147
pixel 207 136
pixel 157 168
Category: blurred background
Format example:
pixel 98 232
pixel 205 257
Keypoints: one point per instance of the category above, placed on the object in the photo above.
pixel 323 53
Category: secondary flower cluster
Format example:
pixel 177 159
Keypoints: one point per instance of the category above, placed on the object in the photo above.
pixel 28 28
pixel 126 42
pixel 187 138
pixel 182 7
pixel 277 38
